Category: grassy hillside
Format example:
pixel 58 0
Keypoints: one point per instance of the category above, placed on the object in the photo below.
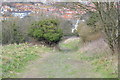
pixel 96 53
pixel 16 57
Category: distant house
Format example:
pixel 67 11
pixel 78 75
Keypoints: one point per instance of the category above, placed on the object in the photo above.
pixel 20 14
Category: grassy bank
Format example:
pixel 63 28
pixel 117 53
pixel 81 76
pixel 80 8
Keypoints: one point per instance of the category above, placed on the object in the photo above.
pixel 70 44
pixel 96 53
pixel 69 62
pixel 101 64
pixel 16 57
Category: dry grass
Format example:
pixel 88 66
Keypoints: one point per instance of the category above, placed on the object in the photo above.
pixel 88 33
pixel 105 62
pixel 97 46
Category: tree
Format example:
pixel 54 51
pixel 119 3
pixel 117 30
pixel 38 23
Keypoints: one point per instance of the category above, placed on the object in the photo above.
pixel 110 17
pixel 47 31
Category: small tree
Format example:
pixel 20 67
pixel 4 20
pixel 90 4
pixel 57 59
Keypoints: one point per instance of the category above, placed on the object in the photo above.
pixel 47 31
pixel 11 33
pixel 109 15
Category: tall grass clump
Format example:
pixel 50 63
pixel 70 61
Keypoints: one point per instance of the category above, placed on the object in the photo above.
pixel 88 33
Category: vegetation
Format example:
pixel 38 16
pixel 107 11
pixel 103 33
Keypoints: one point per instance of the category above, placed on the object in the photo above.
pixel 109 15
pixel 11 33
pixel 103 24
pixel 101 64
pixel 94 21
pixel 71 44
pixel 88 33
pixel 46 30
pixel 22 27
pixel 15 57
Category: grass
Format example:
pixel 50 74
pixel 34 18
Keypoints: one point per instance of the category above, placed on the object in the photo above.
pixel 99 61
pixel 105 67
pixel 15 57
pixel 101 64
pixel 60 65
pixel 70 44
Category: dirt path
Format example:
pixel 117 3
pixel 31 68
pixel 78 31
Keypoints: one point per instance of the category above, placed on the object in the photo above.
pixel 59 65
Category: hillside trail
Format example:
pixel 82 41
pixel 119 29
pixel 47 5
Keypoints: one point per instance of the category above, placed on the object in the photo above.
pixel 60 64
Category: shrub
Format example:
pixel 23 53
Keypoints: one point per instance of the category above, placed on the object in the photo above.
pixel 88 33
pixel 94 17
pixel 91 29
pixel 11 33
pixel 47 31
pixel 94 21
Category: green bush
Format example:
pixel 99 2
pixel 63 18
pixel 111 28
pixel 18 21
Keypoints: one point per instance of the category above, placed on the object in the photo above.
pixel 94 18
pixel 47 31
